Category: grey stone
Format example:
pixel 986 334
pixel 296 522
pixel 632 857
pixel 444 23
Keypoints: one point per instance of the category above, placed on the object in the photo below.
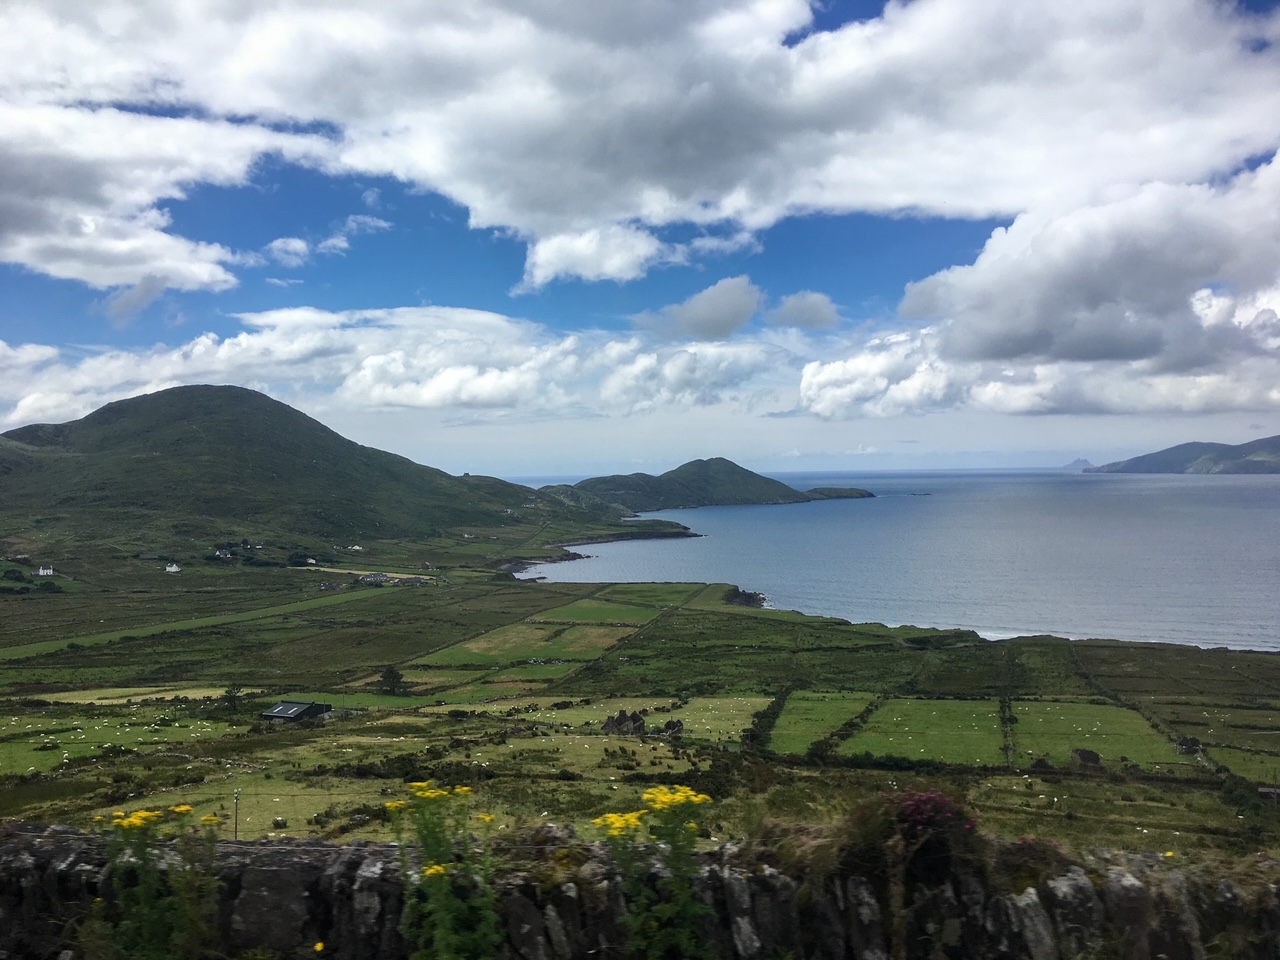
pixel 1076 910
pixel 1034 926
pixel 1128 908
pixel 1177 930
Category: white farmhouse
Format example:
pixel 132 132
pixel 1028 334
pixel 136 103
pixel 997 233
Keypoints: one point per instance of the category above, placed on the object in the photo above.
pixel 45 570
pixel 171 568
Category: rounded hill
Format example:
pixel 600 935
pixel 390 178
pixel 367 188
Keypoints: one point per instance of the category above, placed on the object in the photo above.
pixel 228 452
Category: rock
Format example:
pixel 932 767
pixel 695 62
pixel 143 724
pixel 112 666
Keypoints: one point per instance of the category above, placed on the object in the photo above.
pixel 1128 909
pixel 1077 912
pixel 1035 926
pixel 1177 930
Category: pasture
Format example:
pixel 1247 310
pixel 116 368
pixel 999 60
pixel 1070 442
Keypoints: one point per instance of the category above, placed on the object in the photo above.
pixel 964 732
pixel 112 697
pixel 1052 729
pixel 809 715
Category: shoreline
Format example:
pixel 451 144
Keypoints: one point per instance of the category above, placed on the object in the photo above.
pixel 519 565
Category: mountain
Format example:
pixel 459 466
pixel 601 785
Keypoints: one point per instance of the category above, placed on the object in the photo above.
pixel 1256 456
pixel 700 483
pixel 229 454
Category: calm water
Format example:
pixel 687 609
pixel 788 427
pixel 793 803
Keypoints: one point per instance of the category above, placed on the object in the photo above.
pixel 1171 558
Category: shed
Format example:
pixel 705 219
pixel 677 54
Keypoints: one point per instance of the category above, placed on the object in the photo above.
pixel 291 711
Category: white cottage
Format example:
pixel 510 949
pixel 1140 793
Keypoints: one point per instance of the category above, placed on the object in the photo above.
pixel 171 568
pixel 45 571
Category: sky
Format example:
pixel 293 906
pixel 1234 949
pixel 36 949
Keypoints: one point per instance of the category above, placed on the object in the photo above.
pixel 571 237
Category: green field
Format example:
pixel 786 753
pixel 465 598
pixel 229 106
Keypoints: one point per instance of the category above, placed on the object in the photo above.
pixel 59 737
pixel 507 686
pixel 1263 768
pixel 810 716
pixel 951 731
pixel 597 611
pixel 528 641
pixel 1053 730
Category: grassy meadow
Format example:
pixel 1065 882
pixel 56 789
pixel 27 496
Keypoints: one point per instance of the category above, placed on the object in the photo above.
pixel 130 687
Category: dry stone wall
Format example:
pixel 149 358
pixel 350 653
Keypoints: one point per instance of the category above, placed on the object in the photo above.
pixel 561 900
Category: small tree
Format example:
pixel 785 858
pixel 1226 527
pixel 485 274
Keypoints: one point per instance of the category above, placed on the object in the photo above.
pixel 232 697
pixel 392 680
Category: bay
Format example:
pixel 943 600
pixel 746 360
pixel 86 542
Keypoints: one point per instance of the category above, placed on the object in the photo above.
pixel 1181 559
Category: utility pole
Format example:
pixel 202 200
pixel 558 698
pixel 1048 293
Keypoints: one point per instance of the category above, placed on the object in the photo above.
pixel 235 830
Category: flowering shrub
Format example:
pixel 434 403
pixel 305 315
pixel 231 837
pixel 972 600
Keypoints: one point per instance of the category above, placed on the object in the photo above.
pixel 161 872
pixel 450 904
pixel 932 828
pixel 665 914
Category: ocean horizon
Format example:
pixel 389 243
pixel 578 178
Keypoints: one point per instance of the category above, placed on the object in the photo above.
pixel 1153 558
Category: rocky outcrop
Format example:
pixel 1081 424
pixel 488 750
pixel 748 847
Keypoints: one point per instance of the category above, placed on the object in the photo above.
pixel 565 902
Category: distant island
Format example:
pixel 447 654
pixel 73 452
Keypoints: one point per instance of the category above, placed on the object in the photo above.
pixel 698 483
pixel 1256 456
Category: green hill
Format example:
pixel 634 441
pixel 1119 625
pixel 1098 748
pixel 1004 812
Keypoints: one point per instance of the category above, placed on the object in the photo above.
pixel 1256 456
pixel 701 483
pixel 222 453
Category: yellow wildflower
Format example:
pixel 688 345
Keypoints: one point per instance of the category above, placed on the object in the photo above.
pixel 664 798
pixel 182 808
pixel 485 817
pixel 118 815
pixel 319 947
pixel 99 818
pixel 421 785
pixel 394 805
pixel 211 820
pixel 462 791
pixel 433 870
pixel 434 793
pixel 616 824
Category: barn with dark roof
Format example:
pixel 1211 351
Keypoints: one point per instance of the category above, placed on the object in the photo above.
pixel 291 711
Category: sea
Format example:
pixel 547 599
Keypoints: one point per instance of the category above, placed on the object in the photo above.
pixel 1158 558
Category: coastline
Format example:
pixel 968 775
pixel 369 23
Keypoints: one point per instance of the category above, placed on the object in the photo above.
pixel 1004 555
pixel 518 566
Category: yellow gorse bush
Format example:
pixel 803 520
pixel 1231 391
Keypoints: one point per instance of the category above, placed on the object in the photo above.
pixel 665 798
pixel 450 905
pixel 139 819
pixel 664 916
pixel 618 824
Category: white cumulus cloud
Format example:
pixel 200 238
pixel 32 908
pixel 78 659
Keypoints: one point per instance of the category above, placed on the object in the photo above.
pixel 589 129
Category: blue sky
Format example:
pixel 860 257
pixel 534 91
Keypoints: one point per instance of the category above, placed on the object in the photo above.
pixel 538 239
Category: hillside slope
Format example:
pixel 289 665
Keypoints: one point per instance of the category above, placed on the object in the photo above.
pixel 701 483
pixel 1256 456
pixel 229 453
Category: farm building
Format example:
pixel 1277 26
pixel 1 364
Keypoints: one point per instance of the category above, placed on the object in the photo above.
pixel 291 711
pixel 46 570
pixel 172 568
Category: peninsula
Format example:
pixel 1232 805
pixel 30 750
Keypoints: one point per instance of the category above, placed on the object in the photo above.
pixel 698 483
pixel 1256 456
